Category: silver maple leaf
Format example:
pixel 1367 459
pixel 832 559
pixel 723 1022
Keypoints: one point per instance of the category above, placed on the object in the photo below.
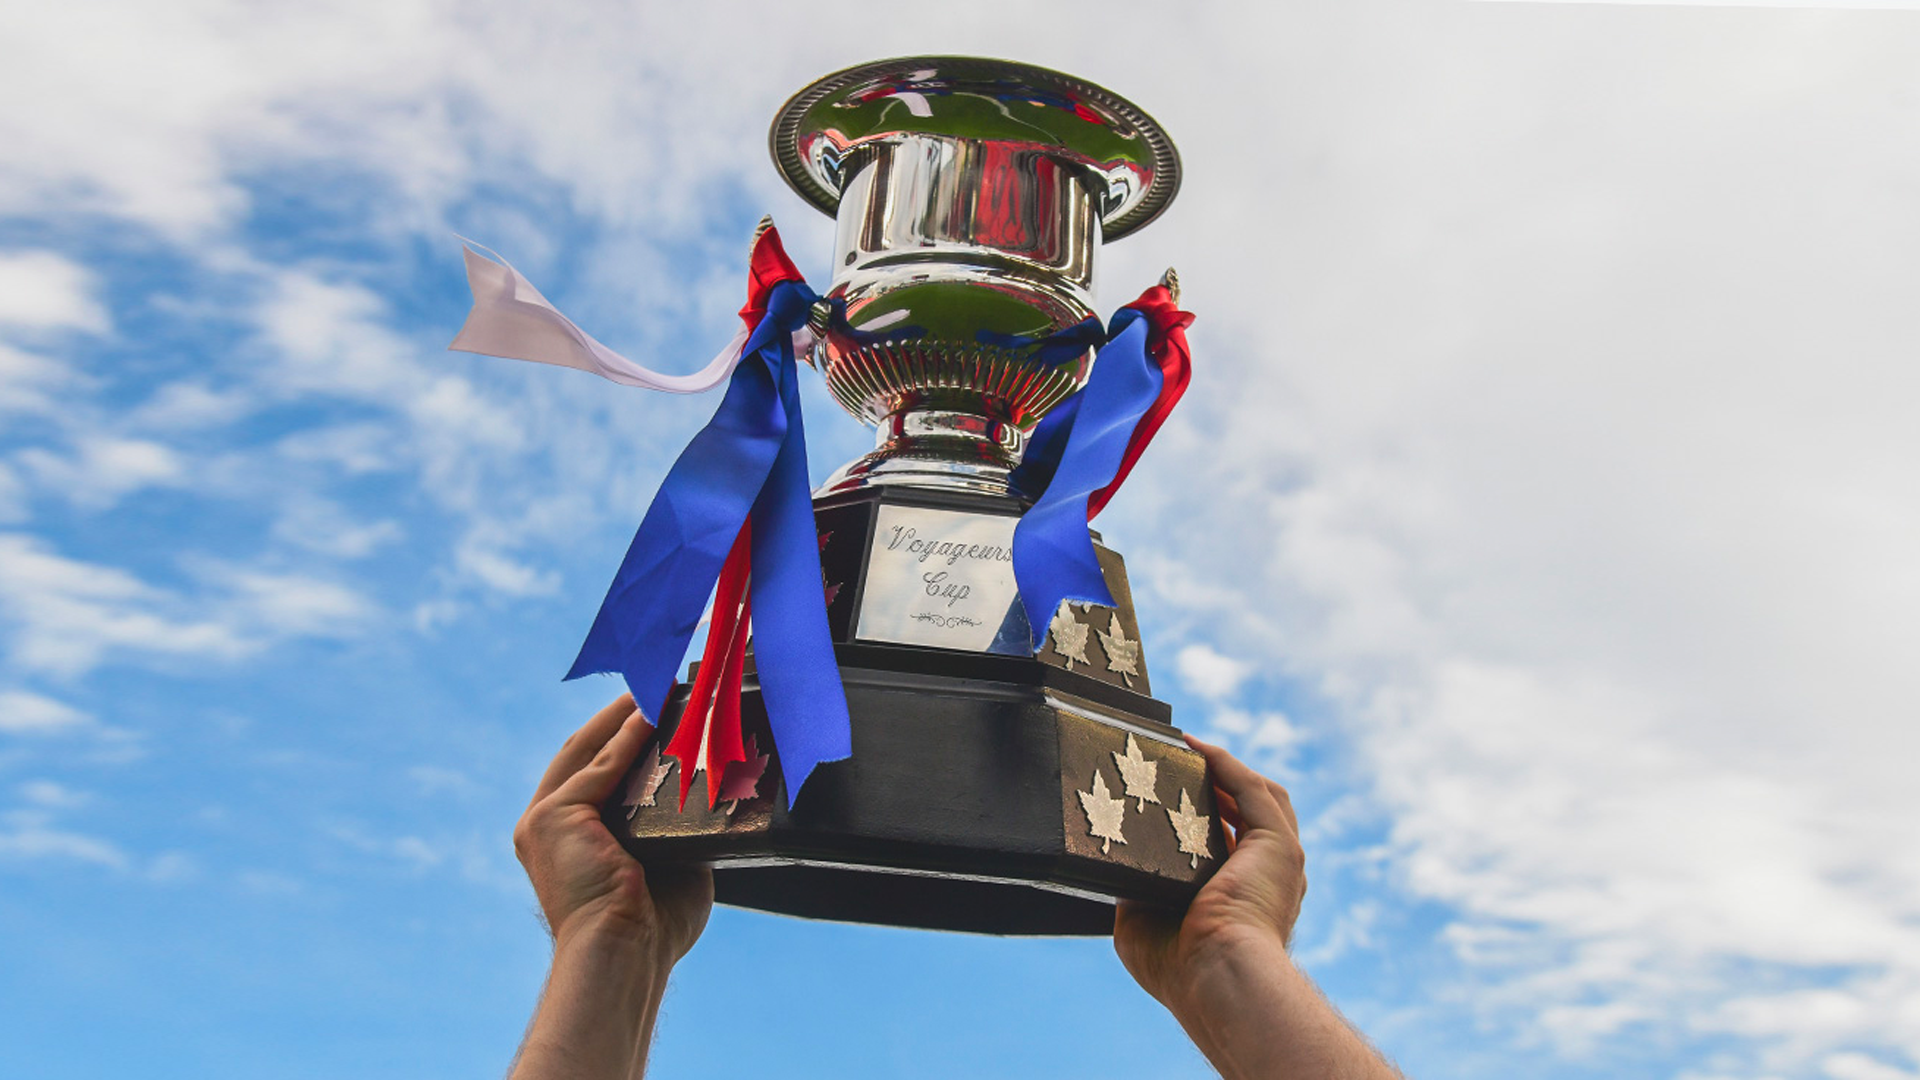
pixel 1105 814
pixel 1123 656
pixel 1191 829
pixel 646 781
pixel 1137 773
pixel 1069 637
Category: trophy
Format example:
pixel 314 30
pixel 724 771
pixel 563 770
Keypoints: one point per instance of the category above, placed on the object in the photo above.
pixel 990 788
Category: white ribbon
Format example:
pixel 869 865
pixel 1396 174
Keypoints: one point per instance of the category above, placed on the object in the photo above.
pixel 510 318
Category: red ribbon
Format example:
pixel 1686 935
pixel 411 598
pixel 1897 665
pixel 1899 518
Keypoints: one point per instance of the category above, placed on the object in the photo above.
pixel 1167 344
pixel 712 713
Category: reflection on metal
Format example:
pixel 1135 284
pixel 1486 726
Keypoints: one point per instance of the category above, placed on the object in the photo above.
pixel 971 197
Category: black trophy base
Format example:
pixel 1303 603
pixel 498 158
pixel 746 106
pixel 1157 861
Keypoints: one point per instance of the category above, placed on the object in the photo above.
pixel 998 794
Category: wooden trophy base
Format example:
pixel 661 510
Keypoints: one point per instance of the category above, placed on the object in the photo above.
pixel 991 792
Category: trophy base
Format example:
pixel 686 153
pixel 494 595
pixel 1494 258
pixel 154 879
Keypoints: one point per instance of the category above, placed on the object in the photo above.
pixel 990 792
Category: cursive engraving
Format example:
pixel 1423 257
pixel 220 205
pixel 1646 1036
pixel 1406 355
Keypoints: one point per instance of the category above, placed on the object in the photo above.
pixel 951 550
pixel 945 622
pixel 951 591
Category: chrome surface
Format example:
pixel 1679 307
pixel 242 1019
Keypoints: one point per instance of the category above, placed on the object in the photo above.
pixel 971 197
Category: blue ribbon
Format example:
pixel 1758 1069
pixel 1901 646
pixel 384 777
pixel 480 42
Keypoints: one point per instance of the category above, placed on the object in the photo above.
pixel 1055 348
pixel 1076 450
pixel 751 457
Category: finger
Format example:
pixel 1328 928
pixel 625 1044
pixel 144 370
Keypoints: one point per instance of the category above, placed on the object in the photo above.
pixel 1230 817
pixel 1281 796
pixel 1251 792
pixel 1229 809
pixel 596 780
pixel 583 744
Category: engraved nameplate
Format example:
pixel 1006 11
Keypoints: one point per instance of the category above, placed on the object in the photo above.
pixel 940 577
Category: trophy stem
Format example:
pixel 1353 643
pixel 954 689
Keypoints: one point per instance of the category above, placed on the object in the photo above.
pixel 937 448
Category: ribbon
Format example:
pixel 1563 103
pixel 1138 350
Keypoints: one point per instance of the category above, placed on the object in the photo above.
pixel 734 508
pixel 1082 451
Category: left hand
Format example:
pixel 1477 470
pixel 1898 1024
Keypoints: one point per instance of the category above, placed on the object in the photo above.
pixel 585 881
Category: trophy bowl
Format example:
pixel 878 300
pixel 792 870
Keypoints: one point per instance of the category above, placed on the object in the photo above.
pixel 970 198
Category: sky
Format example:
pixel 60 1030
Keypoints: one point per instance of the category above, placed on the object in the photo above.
pixel 1543 513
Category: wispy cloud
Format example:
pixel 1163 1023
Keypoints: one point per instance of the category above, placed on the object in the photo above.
pixel 63 615
pixel 25 713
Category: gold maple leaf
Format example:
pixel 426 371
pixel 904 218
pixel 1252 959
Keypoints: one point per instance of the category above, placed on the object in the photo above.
pixel 646 781
pixel 1137 773
pixel 1105 814
pixel 1123 656
pixel 1191 829
pixel 1069 636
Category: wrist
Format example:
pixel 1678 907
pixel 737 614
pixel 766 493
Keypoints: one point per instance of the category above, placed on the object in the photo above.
pixel 1220 967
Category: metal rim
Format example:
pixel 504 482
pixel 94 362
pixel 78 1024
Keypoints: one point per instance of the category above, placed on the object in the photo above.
pixel 784 144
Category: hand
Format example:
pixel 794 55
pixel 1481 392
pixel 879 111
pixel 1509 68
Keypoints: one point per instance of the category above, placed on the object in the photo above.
pixel 1251 902
pixel 585 881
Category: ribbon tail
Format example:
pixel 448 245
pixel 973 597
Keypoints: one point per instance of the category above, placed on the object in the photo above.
pixel 725 747
pixel 511 319
pixel 793 648
pixel 1053 554
pixel 709 685
pixel 648 617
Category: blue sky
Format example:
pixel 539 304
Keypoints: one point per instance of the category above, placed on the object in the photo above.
pixel 1542 514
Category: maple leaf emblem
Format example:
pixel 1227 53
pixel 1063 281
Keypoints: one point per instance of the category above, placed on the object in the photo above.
pixel 646 781
pixel 1191 829
pixel 743 777
pixel 832 590
pixel 1137 773
pixel 1123 656
pixel 1069 637
pixel 1105 814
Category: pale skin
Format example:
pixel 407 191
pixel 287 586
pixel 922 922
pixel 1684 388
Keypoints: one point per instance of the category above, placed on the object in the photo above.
pixel 1222 969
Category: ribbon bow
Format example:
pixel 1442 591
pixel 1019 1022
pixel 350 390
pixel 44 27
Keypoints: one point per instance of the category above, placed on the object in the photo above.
pixel 734 509
pixel 1082 451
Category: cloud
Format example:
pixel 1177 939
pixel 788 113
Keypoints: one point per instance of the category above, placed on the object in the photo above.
pixel 63 616
pixel 45 290
pixel 1209 673
pixel 1551 430
pixel 28 381
pixel 102 470
pixel 26 713
pixel 30 834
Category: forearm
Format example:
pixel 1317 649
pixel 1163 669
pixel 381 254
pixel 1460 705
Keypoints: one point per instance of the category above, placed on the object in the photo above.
pixel 1255 1015
pixel 595 1018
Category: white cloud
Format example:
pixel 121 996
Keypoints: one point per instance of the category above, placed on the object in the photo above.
pixel 190 406
pixel 323 526
pixel 44 290
pixel 63 615
pixel 1207 672
pixel 504 574
pixel 102 470
pixel 1551 424
pixel 25 713
pixel 30 834
pixel 29 381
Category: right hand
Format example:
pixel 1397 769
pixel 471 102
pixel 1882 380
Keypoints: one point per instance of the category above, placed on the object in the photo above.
pixel 585 881
pixel 1253 899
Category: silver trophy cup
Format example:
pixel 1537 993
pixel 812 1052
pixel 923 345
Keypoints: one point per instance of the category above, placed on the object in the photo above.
pixel 990 789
